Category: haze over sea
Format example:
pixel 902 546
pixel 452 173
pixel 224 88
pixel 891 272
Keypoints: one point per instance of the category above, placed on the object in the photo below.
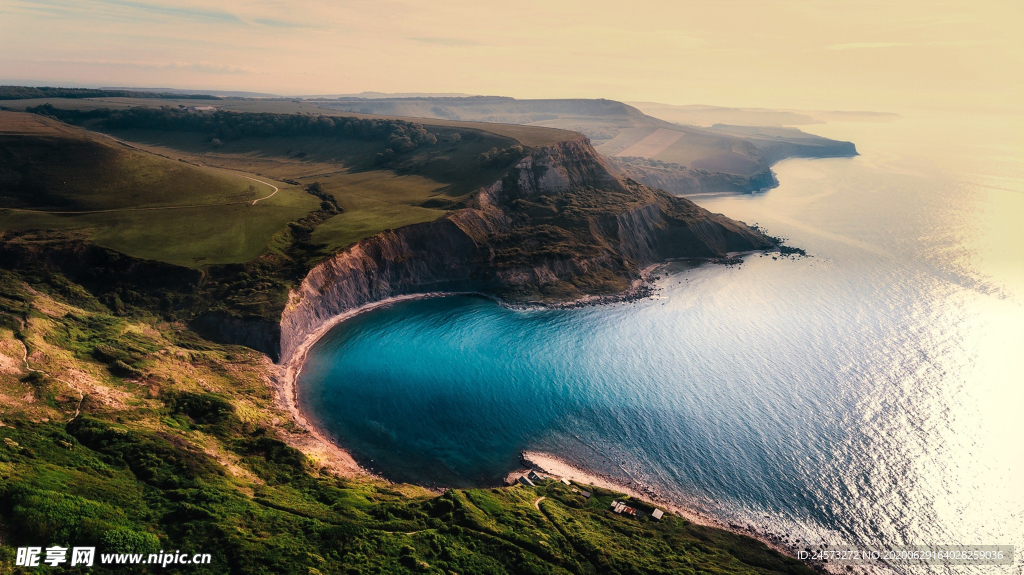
pixel 871 393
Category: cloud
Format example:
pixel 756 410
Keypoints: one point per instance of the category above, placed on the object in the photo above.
pixel 279 23
pixel 186 13
pixel 203 67
pixel 133 11
pixel 437 41
pixel 863 45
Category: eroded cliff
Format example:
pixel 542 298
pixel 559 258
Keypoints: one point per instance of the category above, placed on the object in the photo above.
pixel 558 226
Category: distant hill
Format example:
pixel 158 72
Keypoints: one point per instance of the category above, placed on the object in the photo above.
pixel 28 92
pixel 682 159
pixel 701 115
pixel 383 95
pixel 179 92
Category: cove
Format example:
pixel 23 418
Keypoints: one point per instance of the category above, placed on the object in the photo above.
pixel 858 396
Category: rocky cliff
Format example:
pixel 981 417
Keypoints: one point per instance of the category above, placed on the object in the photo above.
pixel 685 181
pixel 559 225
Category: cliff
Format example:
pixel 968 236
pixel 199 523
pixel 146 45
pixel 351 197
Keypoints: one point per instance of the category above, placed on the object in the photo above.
pixel 558 226
pixel 751 171
pixel 687 181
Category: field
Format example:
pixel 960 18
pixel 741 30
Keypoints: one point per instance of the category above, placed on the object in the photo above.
pixel 205 188
pixel 142 204
pixel 694 148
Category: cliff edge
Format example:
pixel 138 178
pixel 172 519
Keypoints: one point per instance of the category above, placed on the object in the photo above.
pixel 559 225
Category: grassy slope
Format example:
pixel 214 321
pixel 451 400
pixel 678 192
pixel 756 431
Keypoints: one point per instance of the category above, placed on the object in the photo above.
pixel 373 199
pixel 179 447
pixel 72 170
pixel 48 166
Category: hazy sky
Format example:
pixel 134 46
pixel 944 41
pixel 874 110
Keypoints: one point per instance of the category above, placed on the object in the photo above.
pixel 841 54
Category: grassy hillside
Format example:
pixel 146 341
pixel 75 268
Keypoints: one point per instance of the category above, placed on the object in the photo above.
pixel 133 435
pixel 55 177
pixel 414 186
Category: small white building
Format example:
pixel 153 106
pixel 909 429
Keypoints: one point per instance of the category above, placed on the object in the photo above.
pixel 657 514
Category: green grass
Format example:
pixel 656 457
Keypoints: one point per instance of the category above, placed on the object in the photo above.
pixel 189 237
pixel 82 174
pixel 77 174
pixel 57 168
pixel 51 166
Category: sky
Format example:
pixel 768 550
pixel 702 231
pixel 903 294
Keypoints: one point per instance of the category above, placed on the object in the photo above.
pixel 806 54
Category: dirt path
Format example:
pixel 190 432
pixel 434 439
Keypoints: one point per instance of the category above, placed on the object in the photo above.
pixel 537 503
pixel 28 366
pixel 185 207
pixel 265 184
pixel 113 210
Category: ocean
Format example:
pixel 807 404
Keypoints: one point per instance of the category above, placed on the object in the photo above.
pixel 869 394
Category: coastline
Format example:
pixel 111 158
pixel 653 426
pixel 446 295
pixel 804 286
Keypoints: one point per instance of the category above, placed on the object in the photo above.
pixel 288 373
pixel 340 459
pixel 342 462
pixel 556 466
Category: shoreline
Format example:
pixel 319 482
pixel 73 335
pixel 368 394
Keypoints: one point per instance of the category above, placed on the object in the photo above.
pixel 285 384
pixel 287 374
pixel 554 465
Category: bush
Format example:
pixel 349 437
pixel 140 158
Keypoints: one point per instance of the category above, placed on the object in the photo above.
pixel 122 369
pixel 202 408
pixel 124 540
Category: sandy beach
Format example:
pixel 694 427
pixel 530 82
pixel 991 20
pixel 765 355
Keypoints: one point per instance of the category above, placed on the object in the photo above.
pixel 558 467
pixel 338 458
pixel 318 443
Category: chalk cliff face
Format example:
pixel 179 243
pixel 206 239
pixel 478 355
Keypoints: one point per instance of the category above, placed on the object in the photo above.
pixel 559 225
pixel 684 181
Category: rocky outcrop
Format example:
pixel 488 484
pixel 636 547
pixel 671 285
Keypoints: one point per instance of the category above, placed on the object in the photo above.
pixel 558 226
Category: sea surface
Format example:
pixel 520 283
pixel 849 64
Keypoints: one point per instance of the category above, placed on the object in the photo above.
pixel 872 393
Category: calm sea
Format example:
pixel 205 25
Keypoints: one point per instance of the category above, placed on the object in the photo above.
pixel 871 393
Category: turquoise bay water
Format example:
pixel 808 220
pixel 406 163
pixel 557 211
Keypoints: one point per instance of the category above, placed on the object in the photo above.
pixel 872 393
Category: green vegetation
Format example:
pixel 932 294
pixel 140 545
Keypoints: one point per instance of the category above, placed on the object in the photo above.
pixel 384 174
pixel 186 450
pixel 207 216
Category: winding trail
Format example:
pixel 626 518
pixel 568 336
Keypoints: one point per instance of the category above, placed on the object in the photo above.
pixel 536 503
pixel 265 184
pixel 28 366
pixel 147 209
pixel 144 209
